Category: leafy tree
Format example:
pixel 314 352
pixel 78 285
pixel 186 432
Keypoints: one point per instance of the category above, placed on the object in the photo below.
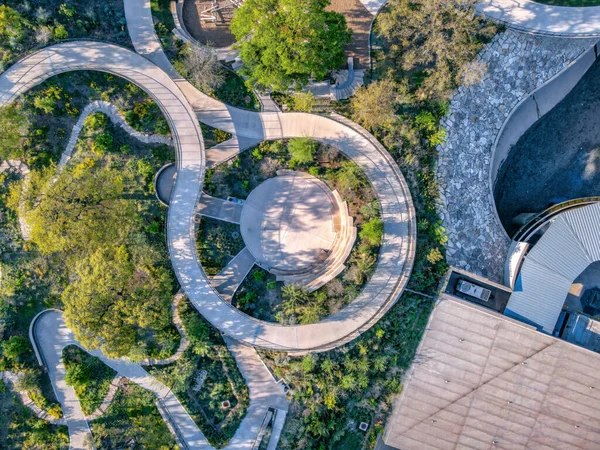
pixel 374 106
pixel 14 126
pixel 285 42
pixel 201 64
pixel 302 150
pixel 82 209
pixel 113 298
pixel 438 37
pixel 304 101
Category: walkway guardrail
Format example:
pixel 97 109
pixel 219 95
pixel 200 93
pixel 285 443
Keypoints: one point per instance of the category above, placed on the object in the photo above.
pixel 533 225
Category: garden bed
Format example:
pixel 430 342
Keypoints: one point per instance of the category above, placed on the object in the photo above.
pixel 260 295
pixel 21 429
pixel 88 375
pixel 132 421
pixel 206 376
pixel 46 22
pixel 217 242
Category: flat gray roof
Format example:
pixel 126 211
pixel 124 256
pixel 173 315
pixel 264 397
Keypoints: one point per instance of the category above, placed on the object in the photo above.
pixel 567 248
pixel 481 380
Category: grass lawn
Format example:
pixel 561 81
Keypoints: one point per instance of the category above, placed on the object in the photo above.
pixel 89 376
pixel 132 421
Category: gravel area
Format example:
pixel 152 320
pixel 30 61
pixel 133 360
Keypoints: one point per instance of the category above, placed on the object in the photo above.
pixel 516 64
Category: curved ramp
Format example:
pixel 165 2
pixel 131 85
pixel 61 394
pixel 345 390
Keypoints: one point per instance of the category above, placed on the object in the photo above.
pixel 397 251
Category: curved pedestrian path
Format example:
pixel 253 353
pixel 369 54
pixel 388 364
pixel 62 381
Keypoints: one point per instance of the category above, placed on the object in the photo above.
pixel 532 17
pixel 50 335
pixel 399 241
pixel 397 251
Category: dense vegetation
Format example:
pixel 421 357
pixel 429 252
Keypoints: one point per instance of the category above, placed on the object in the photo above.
pixel 286 42
pixel 425 50
pixel 21 429
pixel 88 375
pixel 36 273
pixel 260 295
pixel 206 376
pixel 132 421
pixel 217 242
pixel 27 25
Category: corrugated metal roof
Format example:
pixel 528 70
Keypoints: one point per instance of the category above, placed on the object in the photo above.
pixel 565 250
pixel 479 378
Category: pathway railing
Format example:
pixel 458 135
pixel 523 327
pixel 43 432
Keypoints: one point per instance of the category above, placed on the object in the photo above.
pixel 533 225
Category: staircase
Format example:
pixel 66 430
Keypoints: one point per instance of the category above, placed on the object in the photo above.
pixel 347 82
pixel 320 274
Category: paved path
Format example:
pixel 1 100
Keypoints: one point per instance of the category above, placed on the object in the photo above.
pixel 265 393
pixel 220 209
pixel 397 251
pixel 227 281
pixel 228 149
pixel 52 335
pixel 532 17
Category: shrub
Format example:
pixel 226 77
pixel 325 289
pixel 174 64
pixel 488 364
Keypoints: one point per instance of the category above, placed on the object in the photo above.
pixel 302 150
pixel 55 411
pixel 60 32
pixel 96 121
pixel 314 171
pixel 102 144
pixel 221 136
pixel 304 101
pixel 257 154
pixel 372 231
pixel 435 255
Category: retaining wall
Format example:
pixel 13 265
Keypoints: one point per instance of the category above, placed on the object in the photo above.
pixel 532 108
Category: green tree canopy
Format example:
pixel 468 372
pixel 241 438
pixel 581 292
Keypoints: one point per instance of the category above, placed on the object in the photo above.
pixel 374 106
pixel 120 289
pixel 283 42
pixel 436 37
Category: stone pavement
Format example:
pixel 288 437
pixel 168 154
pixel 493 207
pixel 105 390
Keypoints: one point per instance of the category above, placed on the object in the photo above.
pixel 516 64
pixel 538 18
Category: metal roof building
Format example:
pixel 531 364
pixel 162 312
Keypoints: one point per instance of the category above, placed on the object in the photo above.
pixel 570 245
pixel 481 380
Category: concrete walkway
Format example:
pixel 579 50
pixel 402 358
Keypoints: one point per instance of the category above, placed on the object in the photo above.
pixel 397 251
pixel 52 335
pixel 217 208
pixel 265 393
pixel 227 281
pixel 531 17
